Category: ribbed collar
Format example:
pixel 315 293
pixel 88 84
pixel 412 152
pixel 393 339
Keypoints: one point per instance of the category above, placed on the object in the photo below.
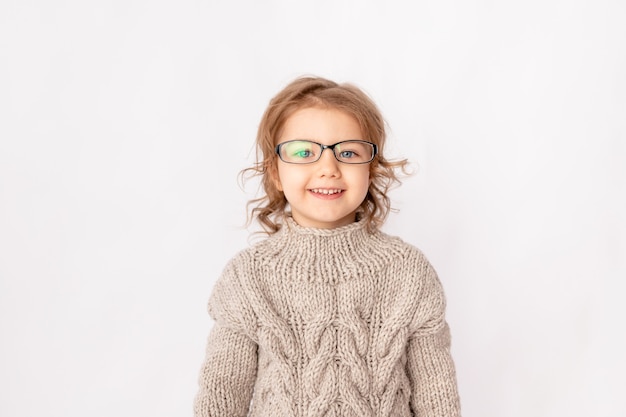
pixel 326 255
pixel 291 227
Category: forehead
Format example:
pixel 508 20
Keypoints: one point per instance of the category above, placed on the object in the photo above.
pixel 323 124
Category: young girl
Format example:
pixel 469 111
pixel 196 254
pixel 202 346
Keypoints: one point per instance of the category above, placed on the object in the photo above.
pixel 327 316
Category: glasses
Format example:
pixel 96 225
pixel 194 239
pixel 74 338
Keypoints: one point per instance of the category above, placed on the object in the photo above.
pixel 306 151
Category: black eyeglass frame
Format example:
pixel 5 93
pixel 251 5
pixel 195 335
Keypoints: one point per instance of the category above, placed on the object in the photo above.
pixel 324 147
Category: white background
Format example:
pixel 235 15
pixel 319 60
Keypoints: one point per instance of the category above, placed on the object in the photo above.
pixel 123 125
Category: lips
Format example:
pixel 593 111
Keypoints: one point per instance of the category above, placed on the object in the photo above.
pixel 326 191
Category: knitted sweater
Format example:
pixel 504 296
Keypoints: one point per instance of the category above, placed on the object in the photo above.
pixel 328 322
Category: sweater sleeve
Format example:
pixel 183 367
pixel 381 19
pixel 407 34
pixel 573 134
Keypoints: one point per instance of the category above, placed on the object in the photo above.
pixel 431 370
pixel 228 374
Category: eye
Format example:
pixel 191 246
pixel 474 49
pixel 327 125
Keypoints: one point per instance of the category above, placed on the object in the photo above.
pixel 304 153
pixel 347 154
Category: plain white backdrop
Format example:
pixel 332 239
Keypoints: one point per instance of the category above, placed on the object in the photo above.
pixel 123 125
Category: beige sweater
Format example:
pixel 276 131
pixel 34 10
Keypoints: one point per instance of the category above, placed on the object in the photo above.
pixel 328 322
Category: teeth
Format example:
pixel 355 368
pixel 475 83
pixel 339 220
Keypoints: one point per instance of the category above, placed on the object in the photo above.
pixel 325 191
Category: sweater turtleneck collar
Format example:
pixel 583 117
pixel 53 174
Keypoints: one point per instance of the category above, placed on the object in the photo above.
pixel 291 227
pixel 327 255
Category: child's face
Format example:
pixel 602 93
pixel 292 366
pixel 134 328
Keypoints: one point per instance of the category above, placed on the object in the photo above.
pixel 327 193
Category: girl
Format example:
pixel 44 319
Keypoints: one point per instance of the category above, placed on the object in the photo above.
pixel 327 316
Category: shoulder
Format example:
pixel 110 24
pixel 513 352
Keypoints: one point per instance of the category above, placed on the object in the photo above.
pixel 419 280
pixel 242 261
pixel 248 258
pixel 405 254
pixel 407 266
pixel 238 270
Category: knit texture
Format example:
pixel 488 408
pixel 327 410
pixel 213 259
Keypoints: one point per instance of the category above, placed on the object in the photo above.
pixel 328 322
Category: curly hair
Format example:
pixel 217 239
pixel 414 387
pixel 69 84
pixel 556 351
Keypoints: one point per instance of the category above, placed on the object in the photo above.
pixel 304 92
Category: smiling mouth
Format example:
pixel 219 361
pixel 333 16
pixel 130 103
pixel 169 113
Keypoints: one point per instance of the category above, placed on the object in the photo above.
pixel 326 191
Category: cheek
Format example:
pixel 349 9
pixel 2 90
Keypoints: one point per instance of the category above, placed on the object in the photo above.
pixel 288 179
pixel 363 178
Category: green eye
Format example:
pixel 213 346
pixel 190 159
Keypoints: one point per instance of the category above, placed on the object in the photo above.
pixel 302 154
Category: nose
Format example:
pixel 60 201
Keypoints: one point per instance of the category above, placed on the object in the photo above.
pixel 328 165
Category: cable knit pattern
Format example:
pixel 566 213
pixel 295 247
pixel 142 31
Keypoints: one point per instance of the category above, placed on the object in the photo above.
pixel 328 323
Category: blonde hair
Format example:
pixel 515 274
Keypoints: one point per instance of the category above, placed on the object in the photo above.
pixel 304 92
